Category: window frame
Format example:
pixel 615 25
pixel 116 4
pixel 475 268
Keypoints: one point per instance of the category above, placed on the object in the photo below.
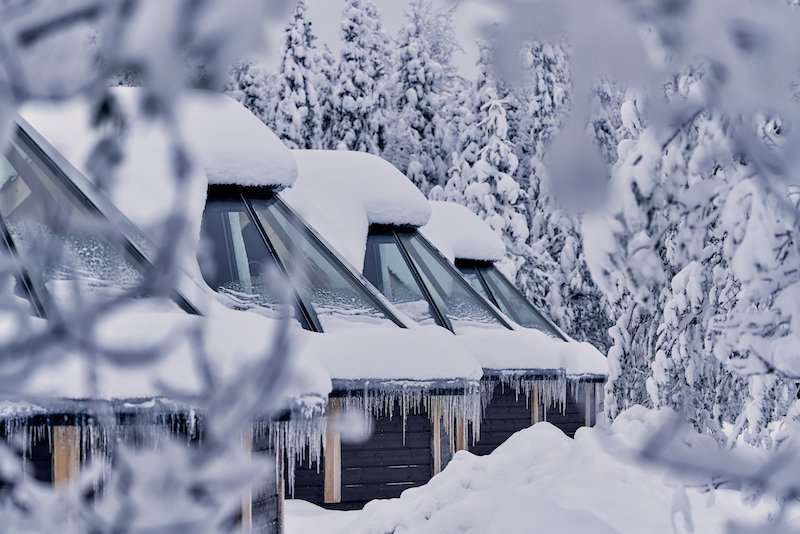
pixel 440 316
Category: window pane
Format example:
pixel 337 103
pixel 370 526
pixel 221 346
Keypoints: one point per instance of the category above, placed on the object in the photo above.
pixel 512 303
pixel 57 238
pixel 459 303
pixel 240 261
pixel 470 274
pixel 337 296
pixel 386 268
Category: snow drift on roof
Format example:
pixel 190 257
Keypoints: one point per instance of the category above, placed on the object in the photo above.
pixel 341 193
pixel 460 234
pixel 383 354
pixel 233 341
pixel 524 351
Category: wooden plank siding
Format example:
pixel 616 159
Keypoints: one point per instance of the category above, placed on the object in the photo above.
pixel 381 467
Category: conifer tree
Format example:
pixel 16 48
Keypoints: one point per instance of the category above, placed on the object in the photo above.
pixel 297 115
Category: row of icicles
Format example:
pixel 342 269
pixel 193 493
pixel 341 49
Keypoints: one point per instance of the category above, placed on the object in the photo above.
pixel 300 440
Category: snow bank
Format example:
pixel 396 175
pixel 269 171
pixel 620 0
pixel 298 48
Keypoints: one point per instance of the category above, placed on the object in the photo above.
pixel 526 351
pixel 460 234
pixel 126 370
pixel 389 354
pixel 341 193
pixel 539 480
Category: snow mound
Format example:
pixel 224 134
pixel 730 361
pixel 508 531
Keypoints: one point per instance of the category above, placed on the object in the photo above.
pixel 539 480
pixel 460 234
pixel 341 193
pixel 389 354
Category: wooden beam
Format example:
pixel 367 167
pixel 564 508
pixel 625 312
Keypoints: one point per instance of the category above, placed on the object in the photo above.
pixel 436 437
pixel 588 391
pixel 461 433
pixel 247 498
pixel 333 456
pixel 534 405
pixel 280 474
pixel 66 454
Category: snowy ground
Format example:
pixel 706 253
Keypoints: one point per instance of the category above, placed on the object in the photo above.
pixel 542 481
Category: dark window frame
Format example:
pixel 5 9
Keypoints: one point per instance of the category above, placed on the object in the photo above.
pixel 439 315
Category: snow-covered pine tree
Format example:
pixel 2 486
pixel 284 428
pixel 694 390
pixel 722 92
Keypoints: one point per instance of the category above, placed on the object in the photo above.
pixel 250 86
pixel 605 126
pixel 468 113
pixel 419 140
pixel 555 275
pixel 494 194
pixel 326 78
pixel 297 115
pixel 359 104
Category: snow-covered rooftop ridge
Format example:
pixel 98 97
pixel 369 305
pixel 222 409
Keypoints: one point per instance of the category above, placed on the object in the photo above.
pixel 230 143
pixel 528 351
pixel 342 193
pixel 233 145
pixel 386 354
pixel 460 234
pixel 233 342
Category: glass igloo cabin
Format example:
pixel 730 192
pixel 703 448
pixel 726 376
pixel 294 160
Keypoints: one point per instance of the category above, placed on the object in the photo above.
pixel 72 234
pixel 370 212
pixel 407 383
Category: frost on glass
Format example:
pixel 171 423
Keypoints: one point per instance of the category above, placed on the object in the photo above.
pixel 62 242
pixel 454 295
pixel 391 274
pixel 337 297
pixel 240 264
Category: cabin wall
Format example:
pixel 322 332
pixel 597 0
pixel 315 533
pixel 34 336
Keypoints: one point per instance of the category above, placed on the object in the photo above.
pixel 509 412
pixel 382 467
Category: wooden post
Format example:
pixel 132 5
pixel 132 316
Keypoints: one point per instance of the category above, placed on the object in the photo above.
pixel 534 405
pixel 247 498
pixel 436 437
pixel 587 396
pixel 333 456
pixel 280 474
pixel 66 454
pixel 461 433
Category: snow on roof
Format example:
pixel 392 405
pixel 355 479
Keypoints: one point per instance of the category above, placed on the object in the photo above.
pixel 341 193
pixel 230 145
pixel 232 340
pixel 527 350
pixel 460 234
pixel 385 354
pixel 233 145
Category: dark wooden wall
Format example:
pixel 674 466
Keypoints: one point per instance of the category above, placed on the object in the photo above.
pixel 380 468
pixel 508 413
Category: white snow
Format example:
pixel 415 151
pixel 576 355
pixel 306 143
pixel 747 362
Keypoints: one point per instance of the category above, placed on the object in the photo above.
pixel 460 234
pixel 232 342
pixel 540 480
pixel 527 350
pixel 385 354
pixel 342 193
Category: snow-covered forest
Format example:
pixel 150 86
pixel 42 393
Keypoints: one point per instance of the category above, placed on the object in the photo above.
pixel 638 161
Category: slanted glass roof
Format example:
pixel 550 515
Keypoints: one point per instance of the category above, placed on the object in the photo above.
pixel 68 249
pixel 256 242
pixel 491 283
pixel 412 274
